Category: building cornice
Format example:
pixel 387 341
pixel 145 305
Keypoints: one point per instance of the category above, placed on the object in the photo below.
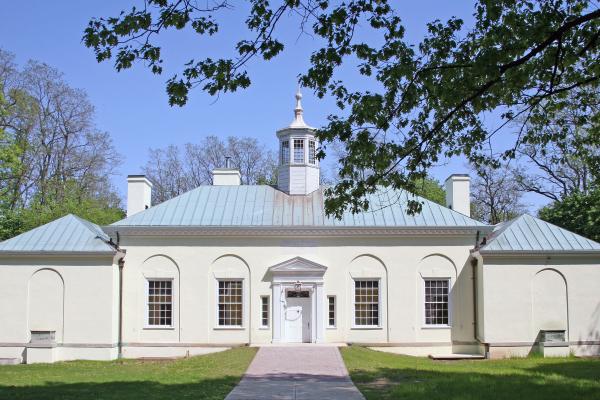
pixel 58 253
pixel 294 231
pixel 538 253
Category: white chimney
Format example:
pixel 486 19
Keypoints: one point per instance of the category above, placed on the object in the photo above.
pixel 226 176
pixel 139 194
pixel 458 190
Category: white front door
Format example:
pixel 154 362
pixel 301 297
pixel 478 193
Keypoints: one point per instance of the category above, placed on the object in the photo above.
pixel 297 317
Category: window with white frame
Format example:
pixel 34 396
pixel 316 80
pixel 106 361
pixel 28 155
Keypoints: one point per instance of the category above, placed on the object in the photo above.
pixel 331 311
pixel 160 302
pixel 366 302
pixel 298 151
pixel 436 301
pixel 230 303
pixel 285 152
pixel 311 152
pixel 264 311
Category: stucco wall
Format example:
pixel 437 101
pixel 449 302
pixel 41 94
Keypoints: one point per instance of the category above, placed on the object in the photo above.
pixel 74 296
pixel 400 264
pixel 528 294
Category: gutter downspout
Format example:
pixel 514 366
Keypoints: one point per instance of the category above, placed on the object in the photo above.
pixel 120 343
pixel 474 263
pixel 475 308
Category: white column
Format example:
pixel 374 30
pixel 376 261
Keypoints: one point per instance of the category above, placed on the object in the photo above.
pixel 320 317
pixel 276 312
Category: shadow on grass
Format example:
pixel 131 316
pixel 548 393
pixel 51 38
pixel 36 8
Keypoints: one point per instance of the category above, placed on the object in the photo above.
pixel 205 389
pixel 579 369
pixel 571 380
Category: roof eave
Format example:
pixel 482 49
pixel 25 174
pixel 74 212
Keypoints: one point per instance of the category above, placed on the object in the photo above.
pixel 538 253
pixel 293 230
pixel 107 253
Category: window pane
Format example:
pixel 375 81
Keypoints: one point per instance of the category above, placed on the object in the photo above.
pixel 298 151
pixel 311 152
pixel 366 302
pixel 331 311
pixel 230 303
pixel 264 318
pixel 436 301
pixel 160 303
pixel 285 152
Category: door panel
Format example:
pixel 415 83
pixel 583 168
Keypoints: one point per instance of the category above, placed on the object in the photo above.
pixel 297 320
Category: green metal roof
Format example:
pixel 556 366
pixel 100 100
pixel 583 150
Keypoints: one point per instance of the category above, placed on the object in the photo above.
pixel 69 234
pixel 527 234
pixel 265 206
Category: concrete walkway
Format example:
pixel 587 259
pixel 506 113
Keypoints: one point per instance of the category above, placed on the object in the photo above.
pixel 296 373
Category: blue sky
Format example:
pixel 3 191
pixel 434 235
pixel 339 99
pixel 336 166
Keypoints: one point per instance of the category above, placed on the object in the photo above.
pixel 132 105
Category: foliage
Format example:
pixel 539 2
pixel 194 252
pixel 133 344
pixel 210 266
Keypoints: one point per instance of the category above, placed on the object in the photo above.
pixel 519 60
pixel 430 189
pixel 496 195
pixel 53 158
pixel 570 164
pixel 384 376
pixel 9 154
pixel 208 377
pixel 174 171
pixel 577 212
pixel 73 200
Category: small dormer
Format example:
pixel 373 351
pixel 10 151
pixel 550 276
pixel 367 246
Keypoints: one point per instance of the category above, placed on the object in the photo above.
pixel 298 164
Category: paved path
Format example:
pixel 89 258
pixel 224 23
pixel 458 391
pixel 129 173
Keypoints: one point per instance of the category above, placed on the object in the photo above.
pixel 296 373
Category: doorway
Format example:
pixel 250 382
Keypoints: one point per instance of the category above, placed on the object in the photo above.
pixel 298 313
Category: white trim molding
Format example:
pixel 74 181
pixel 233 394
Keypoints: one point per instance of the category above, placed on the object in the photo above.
pixel 294 231
pixel 286 276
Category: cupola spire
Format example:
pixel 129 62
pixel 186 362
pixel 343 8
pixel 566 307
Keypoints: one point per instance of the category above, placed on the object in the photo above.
pixel 298 112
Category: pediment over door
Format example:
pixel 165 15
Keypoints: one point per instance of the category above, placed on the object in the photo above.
pixel 298 266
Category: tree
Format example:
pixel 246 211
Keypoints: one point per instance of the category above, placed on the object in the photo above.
pixel 175 171
pixel 518 60
pixel 431 189
pixel 54 159
pixel 496 195
pixel 569 165
pixel 576 212
pixel 73 200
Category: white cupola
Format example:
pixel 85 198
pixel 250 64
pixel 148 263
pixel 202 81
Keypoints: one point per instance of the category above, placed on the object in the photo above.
pixel 298 172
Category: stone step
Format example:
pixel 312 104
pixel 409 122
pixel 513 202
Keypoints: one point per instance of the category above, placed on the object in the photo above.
pixel 457 356
pixel 9 361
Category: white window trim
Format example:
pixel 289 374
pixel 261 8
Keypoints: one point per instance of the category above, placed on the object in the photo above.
pixel 423 321
pixel 146 308
pixel 268 326
pixel 335 312
pixel 354 326
pixel 230 327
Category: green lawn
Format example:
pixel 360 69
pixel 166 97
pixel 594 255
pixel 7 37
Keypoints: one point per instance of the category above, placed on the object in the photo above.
pixel 388 376
pixel 204 377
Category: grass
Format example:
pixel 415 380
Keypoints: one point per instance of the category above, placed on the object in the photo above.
pixel 205 377
pixel 389 376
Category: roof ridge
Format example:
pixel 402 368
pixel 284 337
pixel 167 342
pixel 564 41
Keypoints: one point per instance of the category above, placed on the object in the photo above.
pixel 265 205
pixel 65 234
pixel 544 233
pixel 563 229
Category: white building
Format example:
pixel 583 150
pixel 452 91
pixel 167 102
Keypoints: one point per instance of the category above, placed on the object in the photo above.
pixel 230 264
